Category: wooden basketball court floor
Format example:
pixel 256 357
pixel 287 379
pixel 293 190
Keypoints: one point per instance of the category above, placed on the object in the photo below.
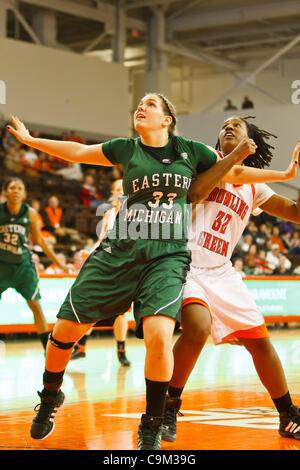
pixel 225 407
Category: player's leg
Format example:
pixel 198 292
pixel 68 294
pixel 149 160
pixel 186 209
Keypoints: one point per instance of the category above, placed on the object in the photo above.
pixel 196 324
pixel 120 333
pixel 27 284
pixel 161 294
pixel 58 352
pixel 91 298
pixel 40 321
pixel 158 334
pixel 271 373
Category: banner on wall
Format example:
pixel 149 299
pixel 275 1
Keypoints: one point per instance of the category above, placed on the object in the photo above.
pixel 276 299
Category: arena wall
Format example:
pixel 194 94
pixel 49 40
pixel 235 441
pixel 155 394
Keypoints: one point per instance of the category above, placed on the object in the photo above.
pixel 52 89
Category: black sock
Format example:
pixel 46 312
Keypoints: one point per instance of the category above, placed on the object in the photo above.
pixel 175 392
pixel 156 397
pixel 121 345
pixel 82 340
pixel 52 382
pixel 283 403
pixel 44 338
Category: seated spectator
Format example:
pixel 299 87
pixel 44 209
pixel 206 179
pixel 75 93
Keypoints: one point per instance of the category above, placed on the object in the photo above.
pixel 89 245
pixel 261 265
pixel 30 156
pixel 286 240
pixel 116 173
pixel 64 136
pixel 8 139
pixel 78 260
pixel 54 223
pixel 273 259
pixel 262 235
pixel 13 158
pixel 247 241
pixel 72 171
pixel 39 266
pixel 52 269
pixel 295 244
pixel 285 226
pixel 75 138
pixel 252 230
pixel 229 106
pixel 89 195
pixel 283 268
pixel 247 103
pixel 28 160
pixel 42 164
pixel 52 214
pixel 249 261
pixel 276 239
pixel 238 265
pixel 36 205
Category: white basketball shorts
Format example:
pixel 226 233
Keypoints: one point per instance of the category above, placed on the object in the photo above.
pixel 234 313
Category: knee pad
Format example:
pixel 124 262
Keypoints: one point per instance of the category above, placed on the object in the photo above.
pixel 59 344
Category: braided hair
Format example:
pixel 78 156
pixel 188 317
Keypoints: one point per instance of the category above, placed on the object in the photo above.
pixel 263 155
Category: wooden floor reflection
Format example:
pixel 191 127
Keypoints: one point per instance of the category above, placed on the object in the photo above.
pixel 224 404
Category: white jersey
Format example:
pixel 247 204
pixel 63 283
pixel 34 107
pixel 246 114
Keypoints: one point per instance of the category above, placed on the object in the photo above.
pixel 220 221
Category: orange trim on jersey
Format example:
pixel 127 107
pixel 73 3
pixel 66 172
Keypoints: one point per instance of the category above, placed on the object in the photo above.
pixel 195 300
pixel 253 190
pixel 256 332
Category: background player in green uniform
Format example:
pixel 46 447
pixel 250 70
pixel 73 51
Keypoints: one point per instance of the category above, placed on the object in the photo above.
pixel 144 260
pixel 17 270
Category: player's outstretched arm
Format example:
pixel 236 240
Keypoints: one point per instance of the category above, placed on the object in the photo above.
pixel 39 240
pixel 70 151
pixel 245 175
pixel 282 207
pixel 206 181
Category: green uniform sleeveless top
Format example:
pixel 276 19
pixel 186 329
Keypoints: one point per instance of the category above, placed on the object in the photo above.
pixel 156 182
pixel 14 229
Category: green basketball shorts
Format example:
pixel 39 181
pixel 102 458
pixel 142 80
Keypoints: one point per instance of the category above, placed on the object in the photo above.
pixel 22 277
pixel 151 274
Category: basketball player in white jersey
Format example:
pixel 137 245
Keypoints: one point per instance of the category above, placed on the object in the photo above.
pixel 215 298
pixel 120 326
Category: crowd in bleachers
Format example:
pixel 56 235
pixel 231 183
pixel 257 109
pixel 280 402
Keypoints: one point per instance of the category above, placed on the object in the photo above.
pixel 66 195
pixel 269 246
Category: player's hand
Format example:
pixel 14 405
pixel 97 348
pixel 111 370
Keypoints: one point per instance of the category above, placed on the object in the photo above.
pixel 291 170
pixel 245 148
pixel 19 131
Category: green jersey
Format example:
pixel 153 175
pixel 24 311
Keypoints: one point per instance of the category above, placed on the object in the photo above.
pixel 156 182
pixel 14 229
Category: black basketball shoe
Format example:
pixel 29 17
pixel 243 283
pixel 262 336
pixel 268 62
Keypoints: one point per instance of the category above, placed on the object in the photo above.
pixel 149 433
pixel 122 358
pixel 290 423
pixel 77 353
pixel 170 419
pixel 43 423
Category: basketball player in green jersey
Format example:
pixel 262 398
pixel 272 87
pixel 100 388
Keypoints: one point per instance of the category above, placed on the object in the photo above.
pixel 144 258
pixel 17 270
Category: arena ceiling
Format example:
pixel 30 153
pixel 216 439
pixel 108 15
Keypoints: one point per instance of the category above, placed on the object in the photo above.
pixel 216 34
